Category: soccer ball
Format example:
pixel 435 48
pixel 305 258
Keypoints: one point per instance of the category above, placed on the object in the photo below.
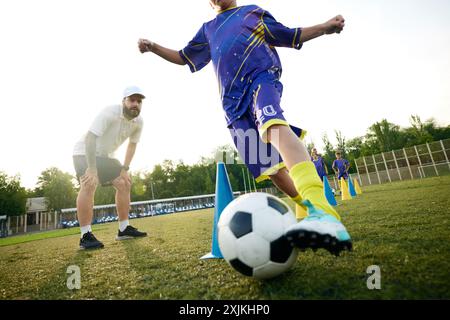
pixel 251 235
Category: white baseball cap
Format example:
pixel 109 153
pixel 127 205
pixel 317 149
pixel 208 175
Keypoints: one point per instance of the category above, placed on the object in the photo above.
pixel 129 91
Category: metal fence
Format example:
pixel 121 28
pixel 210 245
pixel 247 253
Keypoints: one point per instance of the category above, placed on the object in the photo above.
pixel 67 218
pixel 426 160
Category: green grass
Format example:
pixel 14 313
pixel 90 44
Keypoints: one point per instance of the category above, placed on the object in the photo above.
pixel 402 227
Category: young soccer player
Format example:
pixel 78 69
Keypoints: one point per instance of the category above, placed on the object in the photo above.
pixel 241 43
pixel 341 166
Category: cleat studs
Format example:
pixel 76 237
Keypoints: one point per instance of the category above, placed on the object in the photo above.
pixel 314 236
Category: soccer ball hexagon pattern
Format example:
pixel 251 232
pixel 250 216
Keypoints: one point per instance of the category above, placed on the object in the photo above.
pixel 251 235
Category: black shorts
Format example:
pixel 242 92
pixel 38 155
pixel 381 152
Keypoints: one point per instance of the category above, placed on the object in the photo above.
pixel 108 169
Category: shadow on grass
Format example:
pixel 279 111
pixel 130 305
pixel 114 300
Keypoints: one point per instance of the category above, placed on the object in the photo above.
pixel 56 287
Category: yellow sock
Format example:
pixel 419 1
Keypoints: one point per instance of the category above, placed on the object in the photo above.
pixel 300 209
pixel 310 187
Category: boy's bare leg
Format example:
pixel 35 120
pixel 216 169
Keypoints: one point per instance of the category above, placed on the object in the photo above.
pixel 292 150
pixel 283 182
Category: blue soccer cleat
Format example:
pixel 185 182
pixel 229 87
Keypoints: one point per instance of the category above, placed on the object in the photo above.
pixel 319 230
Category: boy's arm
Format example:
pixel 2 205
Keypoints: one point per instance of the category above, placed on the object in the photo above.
pixel 325 166
pixel 335 25
pixel 334 167
pixel 165 53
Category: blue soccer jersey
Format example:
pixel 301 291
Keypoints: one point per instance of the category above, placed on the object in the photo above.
pixel 341 165
pixel 320 166
pixel 241 44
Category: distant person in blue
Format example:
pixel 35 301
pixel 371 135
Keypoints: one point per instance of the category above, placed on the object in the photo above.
pixel 341 166
pixel 318 161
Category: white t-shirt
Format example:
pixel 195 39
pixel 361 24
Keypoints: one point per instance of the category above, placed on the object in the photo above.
pixel 112 129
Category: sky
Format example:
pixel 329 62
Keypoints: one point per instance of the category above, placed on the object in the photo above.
pixel 62 62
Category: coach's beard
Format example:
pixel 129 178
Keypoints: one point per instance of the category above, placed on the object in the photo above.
pixel 131 113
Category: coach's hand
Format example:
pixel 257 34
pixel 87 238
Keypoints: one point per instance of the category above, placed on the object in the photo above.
pixel 90 178
pixel 335 25
pixel 124 175
pixel 145 45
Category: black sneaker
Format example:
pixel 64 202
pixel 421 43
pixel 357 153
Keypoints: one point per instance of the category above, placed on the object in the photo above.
pixel 130 233
pixel 89 241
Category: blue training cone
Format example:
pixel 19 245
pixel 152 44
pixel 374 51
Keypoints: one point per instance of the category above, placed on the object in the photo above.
pixel 351 188
pixel 328 192
pixel 224 195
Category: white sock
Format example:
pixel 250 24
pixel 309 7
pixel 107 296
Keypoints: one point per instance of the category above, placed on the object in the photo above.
pixel 123 225
pixel 85 229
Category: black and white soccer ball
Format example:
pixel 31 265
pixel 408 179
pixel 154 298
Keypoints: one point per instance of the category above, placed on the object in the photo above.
pixel 251 235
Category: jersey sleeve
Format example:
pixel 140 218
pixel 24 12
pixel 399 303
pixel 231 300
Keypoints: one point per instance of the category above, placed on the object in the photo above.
pixel 101 123
pixel 278 35
pixel 197 53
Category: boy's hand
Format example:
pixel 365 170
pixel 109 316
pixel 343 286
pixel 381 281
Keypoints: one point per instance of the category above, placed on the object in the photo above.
pixel 335 25
pixel 145 45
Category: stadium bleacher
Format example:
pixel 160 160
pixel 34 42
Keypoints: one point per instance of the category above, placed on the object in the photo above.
pixel 142 210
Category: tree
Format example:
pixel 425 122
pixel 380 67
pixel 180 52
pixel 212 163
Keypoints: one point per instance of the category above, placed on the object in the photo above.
pixel 13 197
pixel 104 195
pixel 355 147
pixel 158 180
pixel 384 136
pixel 138 186
pixel 438 133
pixel 58 189
pixel 329 156
pixel 417 133
pixel 341 143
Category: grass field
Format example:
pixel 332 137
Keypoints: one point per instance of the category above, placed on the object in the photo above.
pixel 402 227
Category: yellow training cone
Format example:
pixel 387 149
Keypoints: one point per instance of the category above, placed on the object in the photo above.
pixel 344 190
pixel 357 187
pixel 300 212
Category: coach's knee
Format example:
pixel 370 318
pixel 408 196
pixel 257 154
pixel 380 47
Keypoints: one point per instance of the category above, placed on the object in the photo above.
pixel 122 185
